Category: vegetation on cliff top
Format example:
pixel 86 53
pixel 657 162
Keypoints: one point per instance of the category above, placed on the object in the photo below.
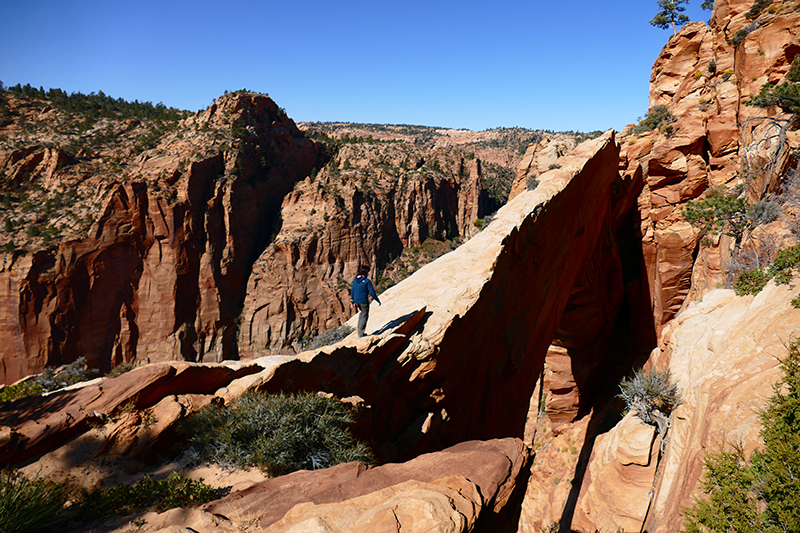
pixel 670 13
pixel 759 494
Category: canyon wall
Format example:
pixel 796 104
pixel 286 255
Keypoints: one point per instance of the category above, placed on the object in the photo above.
pixel 371 202
pixel 163 270
pixel 228 234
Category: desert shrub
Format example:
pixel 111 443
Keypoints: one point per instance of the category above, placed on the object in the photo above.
pixel 757 8
pixel 19 390
pixel 328 337
pixel 657 117
pixel 50 379
pixel 794 70
pixel 53 379
pixel 651 395
pixel 785 262
pixel 761 494
pixel 719 212
pixel 751 281
pixel 121 369
pixel 739 37
pixel 278 433
pixel 531 182
pixel 763 212
pixel 781 269
pixel 786 96
pixel 712 67
pixel 29 504
pixel 175 491
pixel 728 213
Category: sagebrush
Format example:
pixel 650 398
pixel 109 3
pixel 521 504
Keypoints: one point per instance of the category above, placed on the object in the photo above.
pixel 50 379
pixel 651 395
pixel 279 433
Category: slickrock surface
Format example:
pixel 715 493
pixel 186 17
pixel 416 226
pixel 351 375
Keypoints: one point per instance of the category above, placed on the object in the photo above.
pixel 456 484
pixel 723 352
pixel 491 308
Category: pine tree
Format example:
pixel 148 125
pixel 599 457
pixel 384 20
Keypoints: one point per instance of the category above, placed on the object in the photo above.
pixel 671 14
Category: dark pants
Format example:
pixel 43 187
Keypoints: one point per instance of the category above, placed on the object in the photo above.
pixel 362 318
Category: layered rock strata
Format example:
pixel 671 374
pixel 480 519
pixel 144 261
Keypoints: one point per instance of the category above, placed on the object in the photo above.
pixel 163 271
pixel 703 79
pixel 724 353
pixel 491 308
pixel 365 207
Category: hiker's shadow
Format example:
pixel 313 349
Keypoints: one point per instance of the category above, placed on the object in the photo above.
pixel 400 321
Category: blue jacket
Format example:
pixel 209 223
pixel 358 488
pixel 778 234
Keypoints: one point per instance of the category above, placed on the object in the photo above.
pixel 362 287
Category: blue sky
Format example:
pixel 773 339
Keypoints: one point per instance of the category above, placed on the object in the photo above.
pixel 543 65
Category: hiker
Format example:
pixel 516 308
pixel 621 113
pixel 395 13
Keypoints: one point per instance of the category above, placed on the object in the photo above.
pixel 360 292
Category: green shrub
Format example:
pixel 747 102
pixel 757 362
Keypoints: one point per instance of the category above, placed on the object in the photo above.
pixel 739 37
pixel 757 8
pixel 655 118
pixel 781 269
pixel 719 212
pixel 794 70
pixel 276 432
pixel 751 281
pixel 53 379
pixel 761 494
pixel 785 261
pixel 651 395
pixel 121 369
pixel 29 504
pixel 175 491
pixel 50 379
pixel 23 389
pixel 786 96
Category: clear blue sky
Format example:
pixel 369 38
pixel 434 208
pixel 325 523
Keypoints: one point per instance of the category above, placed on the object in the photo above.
pixel 470 64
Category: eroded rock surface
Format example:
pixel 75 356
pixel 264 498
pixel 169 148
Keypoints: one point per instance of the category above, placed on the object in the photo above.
pixel 449 489
pixel 162 273
pixel 724 353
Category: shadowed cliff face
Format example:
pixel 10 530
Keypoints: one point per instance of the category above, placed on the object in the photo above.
pixel 491 309
pixel 223 234
pixel 372 202
pixel 163 271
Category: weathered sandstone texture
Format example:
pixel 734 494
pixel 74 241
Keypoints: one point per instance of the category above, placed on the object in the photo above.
pixel 158 278
pixel 491 308
pixel 715 140
pixel 455 485
pixel 723 352
pixel 167 391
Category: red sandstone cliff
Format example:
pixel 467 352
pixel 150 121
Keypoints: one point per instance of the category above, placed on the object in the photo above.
pixel 365 207
pixel 554 297
pixel 163 270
